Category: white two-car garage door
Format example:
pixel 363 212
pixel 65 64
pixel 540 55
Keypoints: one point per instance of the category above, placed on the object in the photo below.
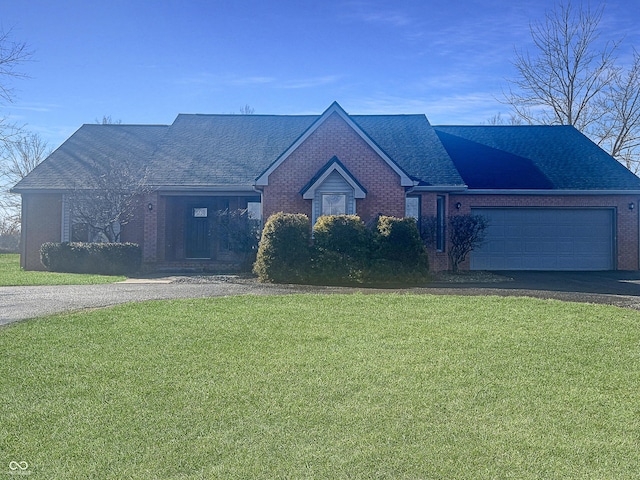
pixel 546 239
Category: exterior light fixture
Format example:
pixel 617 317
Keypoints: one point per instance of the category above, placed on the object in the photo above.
pixel 631 205
pixel 458 205
pixel 150 206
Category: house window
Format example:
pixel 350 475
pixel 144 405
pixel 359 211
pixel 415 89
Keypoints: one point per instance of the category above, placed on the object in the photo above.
pixel 440 223
pixel 200 212
pixel 412 208
pixel 334 204
pixel 254 210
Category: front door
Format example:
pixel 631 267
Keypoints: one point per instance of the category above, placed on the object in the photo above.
pixel 198 241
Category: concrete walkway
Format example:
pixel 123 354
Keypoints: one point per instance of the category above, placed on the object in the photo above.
pixel 18 303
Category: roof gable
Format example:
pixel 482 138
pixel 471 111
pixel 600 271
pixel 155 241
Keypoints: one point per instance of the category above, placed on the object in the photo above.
pixel 333 165
pixel 335 108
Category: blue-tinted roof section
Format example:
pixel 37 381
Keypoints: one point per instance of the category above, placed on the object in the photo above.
pixel 543 157
pixel 490 168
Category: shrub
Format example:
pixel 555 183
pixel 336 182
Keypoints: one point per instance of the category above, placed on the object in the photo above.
pixel 10 243
pixel 398 240
pixel 344 252
pixel 342 248
pixel 284 251
pixel 95 258
pixel 399 252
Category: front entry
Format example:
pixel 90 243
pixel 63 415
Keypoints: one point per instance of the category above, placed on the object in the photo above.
pixel 198 236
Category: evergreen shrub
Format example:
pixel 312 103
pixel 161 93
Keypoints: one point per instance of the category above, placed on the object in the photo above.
pixel 344 251
pixel 93 258
pixel 342 248
pixel 284 252
pixel 399 254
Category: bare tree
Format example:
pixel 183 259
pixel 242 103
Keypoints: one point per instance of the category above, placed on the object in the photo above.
pixel 110 198
pixel 18 157
pixel 498 119
pixel 17 148
pixel 573 79
pixel 618 130
pixel 466 233
pixel 12 54
pixel 107 120
pixel 247 110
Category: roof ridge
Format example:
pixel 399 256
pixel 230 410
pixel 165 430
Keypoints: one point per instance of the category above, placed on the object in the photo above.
pixel 126 125
pixel 500 126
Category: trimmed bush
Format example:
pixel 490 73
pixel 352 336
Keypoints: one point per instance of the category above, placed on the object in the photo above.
pixel 10 243
pixel 399 253
pixel 284 252
pixel 95 258
pixel 344 252
pixel 342 248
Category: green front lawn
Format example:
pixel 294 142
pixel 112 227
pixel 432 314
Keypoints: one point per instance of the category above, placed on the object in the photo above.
pixel 12 275
pixel 314 386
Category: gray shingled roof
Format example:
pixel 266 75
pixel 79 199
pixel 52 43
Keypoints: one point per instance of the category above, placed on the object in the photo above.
pixel 233 150
pixel 223 150
pixel 66 167
pixel 532 157
pixel 411 142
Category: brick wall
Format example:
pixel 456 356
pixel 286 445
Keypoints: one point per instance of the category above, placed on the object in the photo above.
pixel 334 138
pixel 41 223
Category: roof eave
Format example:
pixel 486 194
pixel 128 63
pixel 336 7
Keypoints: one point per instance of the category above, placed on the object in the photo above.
pixel 438 188
pixel 548 192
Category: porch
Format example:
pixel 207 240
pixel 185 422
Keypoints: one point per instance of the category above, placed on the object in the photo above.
pixel 201 233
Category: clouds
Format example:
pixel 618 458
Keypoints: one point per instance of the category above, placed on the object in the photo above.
pixel 239 81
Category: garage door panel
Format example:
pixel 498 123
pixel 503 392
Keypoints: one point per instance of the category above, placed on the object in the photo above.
pixel 546 239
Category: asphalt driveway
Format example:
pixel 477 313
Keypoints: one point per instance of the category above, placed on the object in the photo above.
pixel 18 303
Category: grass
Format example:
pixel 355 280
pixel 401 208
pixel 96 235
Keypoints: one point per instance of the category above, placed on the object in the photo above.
pixel 336 386
pixel 12 275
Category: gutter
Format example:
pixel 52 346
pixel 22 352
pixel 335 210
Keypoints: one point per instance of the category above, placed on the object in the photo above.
pixel 548 192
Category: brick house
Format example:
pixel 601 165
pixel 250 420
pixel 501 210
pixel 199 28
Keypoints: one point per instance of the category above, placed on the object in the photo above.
pixel 554 200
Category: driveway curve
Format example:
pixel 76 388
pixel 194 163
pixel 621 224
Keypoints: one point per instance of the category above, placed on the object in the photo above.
pixel 19 303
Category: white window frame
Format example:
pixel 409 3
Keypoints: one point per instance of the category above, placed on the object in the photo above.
pixel 326 196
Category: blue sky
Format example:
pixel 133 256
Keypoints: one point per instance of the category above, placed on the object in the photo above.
pixel 146 61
